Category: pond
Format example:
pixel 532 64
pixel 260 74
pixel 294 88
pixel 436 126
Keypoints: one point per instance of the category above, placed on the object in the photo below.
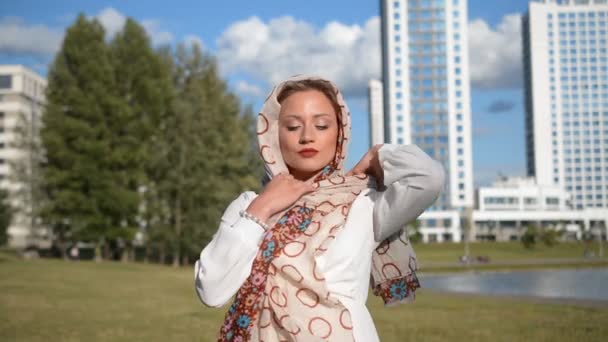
pixel 574 283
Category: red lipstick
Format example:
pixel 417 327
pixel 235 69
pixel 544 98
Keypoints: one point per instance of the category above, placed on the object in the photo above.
pixel 308 152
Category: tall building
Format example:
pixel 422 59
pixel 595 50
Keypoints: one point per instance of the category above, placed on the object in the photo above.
pixel 21 102
pixel 566 82
pixel 425 74
pixel 376 116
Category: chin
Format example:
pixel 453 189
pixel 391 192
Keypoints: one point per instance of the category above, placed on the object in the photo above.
pixel 308 165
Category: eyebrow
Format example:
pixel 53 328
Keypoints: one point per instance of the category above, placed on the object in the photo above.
pixel 299 117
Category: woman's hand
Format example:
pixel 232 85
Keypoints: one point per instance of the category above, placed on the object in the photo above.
pixel 370 165
pixel 281 192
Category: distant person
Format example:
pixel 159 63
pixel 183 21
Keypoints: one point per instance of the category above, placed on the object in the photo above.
pixel 300 254
pixel 74 252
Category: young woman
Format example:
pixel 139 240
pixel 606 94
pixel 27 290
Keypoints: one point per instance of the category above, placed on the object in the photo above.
pixel 301 255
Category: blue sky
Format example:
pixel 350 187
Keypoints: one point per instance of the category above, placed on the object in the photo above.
pixel 337 38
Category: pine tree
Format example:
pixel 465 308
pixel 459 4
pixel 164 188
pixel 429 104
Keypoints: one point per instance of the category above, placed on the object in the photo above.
pixel 85 202
pixel 207 154
pixel 143 83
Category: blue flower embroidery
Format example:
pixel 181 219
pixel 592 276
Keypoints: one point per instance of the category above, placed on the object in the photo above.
pixel 243 321
pixel 326 169
pixel 233 307
pixel 267 253
pixel 304 224
pixel 398 290
pixel 283 219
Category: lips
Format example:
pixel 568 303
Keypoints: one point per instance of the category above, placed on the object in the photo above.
pixel 308 152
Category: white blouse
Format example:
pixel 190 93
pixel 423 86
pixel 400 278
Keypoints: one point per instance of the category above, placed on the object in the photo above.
pixel 413 182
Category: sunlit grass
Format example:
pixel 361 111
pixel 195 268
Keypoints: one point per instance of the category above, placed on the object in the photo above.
pixel 52 300
pixel 502 251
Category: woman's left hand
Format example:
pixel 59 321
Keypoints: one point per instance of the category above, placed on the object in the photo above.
pixel 370 165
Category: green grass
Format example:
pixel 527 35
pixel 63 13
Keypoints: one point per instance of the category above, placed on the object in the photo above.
pixel 503 251
pixel 51 300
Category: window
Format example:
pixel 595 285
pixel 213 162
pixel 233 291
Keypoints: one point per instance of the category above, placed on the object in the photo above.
pixel 552 201
pixel 6 81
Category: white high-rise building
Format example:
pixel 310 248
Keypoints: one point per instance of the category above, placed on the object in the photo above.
pixel 566 80
pixel 425 74
pixel 376 115
pixel 22 97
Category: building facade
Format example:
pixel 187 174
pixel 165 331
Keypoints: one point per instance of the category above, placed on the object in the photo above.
pixel 376 116
pixel 425 76
pixel 426 99
pixel 566 86
pixel 22 98
pixel 512 205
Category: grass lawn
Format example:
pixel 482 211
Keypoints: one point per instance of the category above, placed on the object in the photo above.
pixel 502 251
pixel 52 300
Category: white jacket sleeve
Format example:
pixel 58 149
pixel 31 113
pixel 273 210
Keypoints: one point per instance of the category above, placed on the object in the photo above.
pixel 225 263
pixel 413 183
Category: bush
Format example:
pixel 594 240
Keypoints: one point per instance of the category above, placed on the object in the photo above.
pixel 550 237
pixel 529 238
pixel 414 234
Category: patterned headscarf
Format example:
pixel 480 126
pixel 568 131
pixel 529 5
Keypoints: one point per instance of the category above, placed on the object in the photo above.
pixel 271 305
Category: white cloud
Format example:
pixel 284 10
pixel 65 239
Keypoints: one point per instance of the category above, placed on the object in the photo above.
pixel 350 54
pixel 17 37
pixel 112 20
pixel 193 39
pixel 271 51
pixel 496 54
pixel 158 36
pixel 245 88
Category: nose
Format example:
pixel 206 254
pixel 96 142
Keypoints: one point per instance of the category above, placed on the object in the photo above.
pixel 307 134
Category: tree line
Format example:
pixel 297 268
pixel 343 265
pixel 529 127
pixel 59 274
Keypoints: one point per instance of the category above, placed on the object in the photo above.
pixel 136 140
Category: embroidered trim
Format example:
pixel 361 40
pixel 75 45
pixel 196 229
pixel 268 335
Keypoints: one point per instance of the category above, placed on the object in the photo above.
pixel 248 302
pixel 398 290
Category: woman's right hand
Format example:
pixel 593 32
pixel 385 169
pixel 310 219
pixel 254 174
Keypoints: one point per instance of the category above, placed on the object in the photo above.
pixel 280 193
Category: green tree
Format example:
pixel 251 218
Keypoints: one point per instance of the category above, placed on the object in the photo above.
pixel 85 201
pixel 530 237
pixel 143 83
pixel 6 214
pixel 413 229
pixel 550 237
pixel 206 154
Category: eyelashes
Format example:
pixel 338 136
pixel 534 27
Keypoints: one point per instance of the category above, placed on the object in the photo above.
pixel 293 128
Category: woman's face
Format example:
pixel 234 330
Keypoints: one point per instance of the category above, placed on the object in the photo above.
pixel 307 121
